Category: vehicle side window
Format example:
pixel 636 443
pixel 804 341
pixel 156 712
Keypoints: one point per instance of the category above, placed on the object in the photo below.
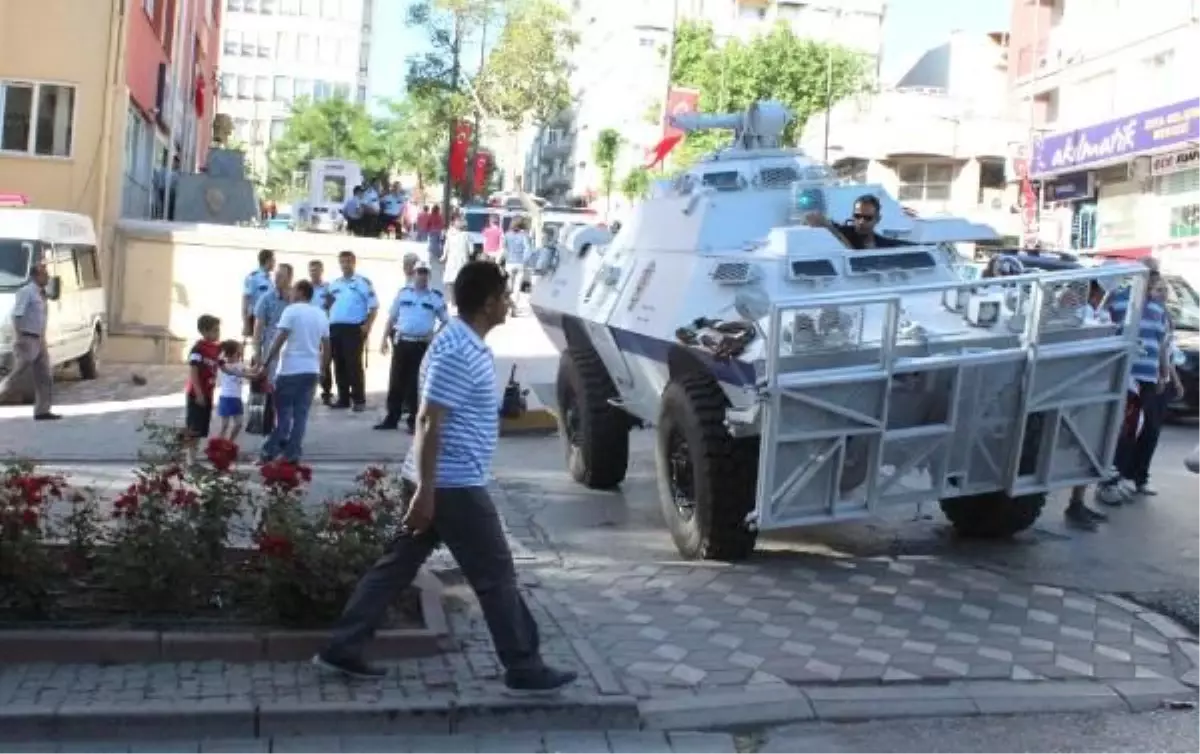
pixel 64 267
pixel 87 266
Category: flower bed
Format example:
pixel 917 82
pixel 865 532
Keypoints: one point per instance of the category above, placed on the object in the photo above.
pixel 154 570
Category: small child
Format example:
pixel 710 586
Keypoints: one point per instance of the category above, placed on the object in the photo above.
pixel 234 374
pixel 203 361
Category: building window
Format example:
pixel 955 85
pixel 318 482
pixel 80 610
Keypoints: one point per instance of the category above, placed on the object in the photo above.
pixel 322 91
pixel 304 47
pixel 233 5
pixel 925 182
pixel 250 6
pixel 330 8
pixel 278 129
pixel 241 130
pixel 289 7
pixel 265 40
pixel 310 8
pixel 283 89
pixel 262 88
pixel 268 7
pixel 245 88
pixel 37 118
pixel 227 86
pixel 303 89
pixel 249 46
pixel 341 91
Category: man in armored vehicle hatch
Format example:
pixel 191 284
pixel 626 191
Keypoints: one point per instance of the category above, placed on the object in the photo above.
pixel 859 232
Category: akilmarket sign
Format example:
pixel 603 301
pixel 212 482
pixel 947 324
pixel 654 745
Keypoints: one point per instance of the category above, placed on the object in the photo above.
pixel 1175 162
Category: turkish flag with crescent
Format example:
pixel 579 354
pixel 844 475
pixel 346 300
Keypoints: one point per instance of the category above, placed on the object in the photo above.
pixel 659 152
pixel 459 150
pixel 482 160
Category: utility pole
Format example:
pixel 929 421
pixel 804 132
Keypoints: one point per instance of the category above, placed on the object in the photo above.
pixel 674 30
pixel 829 83
pixel 455 74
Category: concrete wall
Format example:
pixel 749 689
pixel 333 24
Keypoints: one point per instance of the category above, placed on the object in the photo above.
pixel 165 275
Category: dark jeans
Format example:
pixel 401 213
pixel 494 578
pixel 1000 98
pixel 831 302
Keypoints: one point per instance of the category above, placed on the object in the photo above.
pixel 346 343
pixel 466 521
pixel 402 380
pixel 293 399
pixel 1134 454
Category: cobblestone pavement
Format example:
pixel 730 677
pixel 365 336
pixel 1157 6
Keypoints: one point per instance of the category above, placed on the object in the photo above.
pixel 808 619
pixel 533 742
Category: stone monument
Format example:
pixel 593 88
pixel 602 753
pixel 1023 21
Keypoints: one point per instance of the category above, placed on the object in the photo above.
pixel 220 196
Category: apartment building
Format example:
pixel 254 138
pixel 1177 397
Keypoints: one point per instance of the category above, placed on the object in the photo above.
pixel 170 73
pixel 620 72
pixel 1107 90
pixel 938 140
pixel 274 52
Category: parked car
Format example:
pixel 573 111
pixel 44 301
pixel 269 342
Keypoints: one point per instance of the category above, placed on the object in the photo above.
pixel 66 244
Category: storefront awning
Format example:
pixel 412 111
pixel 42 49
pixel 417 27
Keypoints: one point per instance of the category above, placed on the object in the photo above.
pixel 1118 140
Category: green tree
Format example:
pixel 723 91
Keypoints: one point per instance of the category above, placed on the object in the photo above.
pixel 636 184
pixel 525 78
pixel 604 153
pixel 777 65
pixel 415 137
pixel 335 128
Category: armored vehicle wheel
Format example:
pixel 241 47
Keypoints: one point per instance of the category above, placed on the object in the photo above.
pixel 706 479
pixel 992 515
pixel 595 432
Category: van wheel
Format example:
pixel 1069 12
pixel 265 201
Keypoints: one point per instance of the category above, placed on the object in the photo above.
pixel 89 363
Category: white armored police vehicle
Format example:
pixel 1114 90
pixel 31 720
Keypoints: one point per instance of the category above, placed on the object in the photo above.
pixel 791 380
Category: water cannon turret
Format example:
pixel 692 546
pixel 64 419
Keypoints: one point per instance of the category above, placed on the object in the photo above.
pixel 759 127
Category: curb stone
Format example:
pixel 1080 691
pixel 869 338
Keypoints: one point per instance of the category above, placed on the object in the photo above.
pixel 843 704
pixel 446 714
pixel 199 719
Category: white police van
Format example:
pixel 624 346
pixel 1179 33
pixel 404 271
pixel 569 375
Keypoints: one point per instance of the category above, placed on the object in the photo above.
pixel 66 244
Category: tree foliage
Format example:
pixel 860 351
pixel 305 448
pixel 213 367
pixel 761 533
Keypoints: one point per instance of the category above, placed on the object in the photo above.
pixel 604 153
pixel 525 78
pixel 636 183
pixel 333 127
pixel 777 65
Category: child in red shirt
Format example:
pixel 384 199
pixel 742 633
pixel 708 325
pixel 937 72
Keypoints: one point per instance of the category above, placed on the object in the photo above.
pixel 203 363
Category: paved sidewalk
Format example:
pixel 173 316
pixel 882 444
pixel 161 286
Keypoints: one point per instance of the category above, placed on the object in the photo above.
pixel 532 742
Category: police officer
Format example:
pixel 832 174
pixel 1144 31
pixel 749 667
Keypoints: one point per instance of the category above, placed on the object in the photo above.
pixel 350 318
pixel 416 313
pixel 322 300
pixel 256 284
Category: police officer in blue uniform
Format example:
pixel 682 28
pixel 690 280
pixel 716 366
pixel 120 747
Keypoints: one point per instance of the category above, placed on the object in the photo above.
pixel 350 318
pixel 322 300
pixel 417 313
pixel 255 285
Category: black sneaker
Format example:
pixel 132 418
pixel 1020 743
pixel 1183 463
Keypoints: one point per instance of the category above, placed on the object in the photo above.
pixel 327 399
pixel 340 404
pixel 347 667
pixel 360 407
pixel 386 424
pixel 543 680
pixel 1095 515
pixel 1078 517
pixel 49 416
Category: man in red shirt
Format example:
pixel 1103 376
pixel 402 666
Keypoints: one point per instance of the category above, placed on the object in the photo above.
pixel 203 362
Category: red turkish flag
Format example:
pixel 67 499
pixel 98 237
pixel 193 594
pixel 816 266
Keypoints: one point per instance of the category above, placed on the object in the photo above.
pixel 662 149
pixel 482 159
pixel 459 150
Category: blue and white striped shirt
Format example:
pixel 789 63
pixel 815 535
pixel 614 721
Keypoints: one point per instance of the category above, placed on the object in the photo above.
pixel 1152 334
pixel 459 374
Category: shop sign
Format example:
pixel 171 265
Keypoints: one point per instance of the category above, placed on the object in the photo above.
pixel 1071 188
pixel 1175 162
pixel 1150 131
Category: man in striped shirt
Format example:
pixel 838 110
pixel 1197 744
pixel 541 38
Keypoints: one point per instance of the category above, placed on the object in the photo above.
pixel 446 473
pixel 1150 370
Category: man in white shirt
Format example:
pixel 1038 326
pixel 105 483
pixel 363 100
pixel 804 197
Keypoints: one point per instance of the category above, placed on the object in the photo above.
pixel 300 346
